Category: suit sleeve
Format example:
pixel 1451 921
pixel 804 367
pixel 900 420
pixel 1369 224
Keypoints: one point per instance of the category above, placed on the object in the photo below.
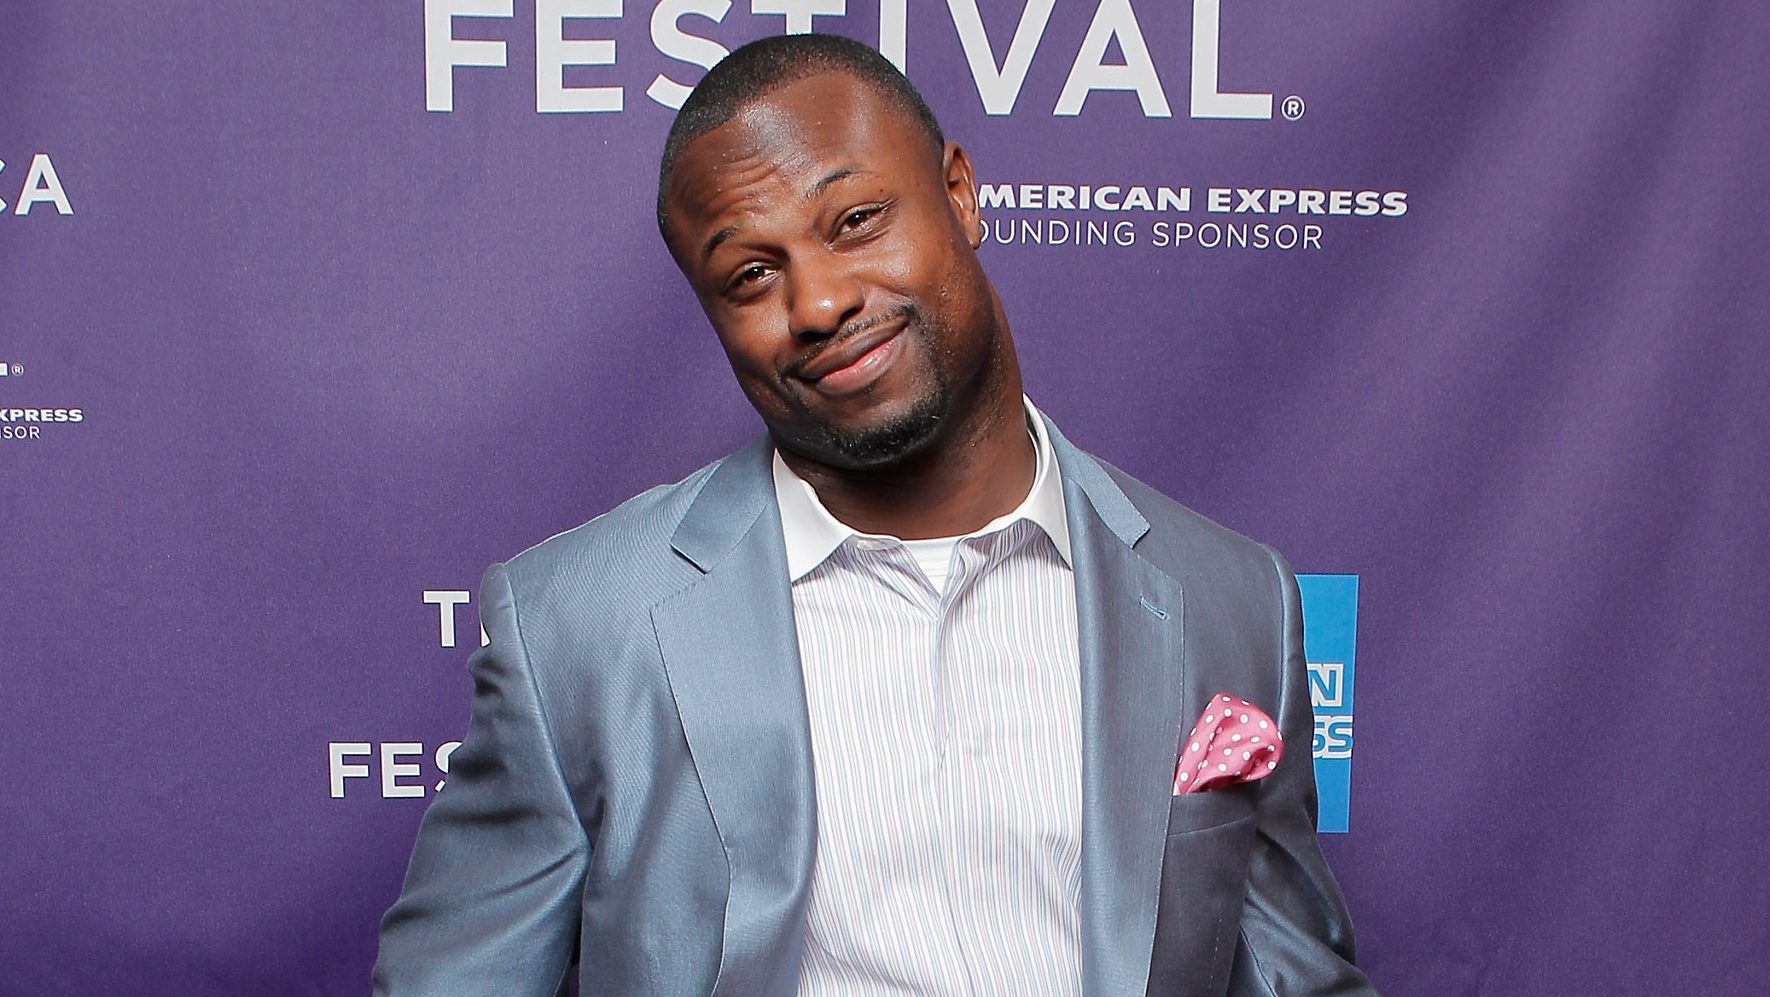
pixel 1296 937
pixel 491 898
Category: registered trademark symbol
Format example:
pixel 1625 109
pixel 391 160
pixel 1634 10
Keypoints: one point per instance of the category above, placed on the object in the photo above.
pixel 17 369
pixel 1292 108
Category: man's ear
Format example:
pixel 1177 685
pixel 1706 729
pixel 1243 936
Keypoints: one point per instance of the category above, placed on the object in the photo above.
pixel 961 191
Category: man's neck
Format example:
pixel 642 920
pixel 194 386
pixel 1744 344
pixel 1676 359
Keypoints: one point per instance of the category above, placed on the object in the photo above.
pixel 954 487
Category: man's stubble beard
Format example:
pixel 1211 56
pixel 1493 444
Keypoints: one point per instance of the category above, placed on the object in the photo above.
pixel 897 439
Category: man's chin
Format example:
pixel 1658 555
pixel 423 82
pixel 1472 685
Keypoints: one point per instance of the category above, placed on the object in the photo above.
pixel 878 446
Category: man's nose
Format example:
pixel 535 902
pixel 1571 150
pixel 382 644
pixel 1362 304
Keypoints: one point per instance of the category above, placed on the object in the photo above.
pixel 822 294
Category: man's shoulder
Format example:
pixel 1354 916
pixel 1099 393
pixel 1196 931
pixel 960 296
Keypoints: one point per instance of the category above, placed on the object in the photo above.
pixel 1165 532
pixel 1185 541
pixel 625 551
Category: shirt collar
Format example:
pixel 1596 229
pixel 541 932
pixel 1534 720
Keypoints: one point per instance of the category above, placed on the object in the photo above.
pixel 812 534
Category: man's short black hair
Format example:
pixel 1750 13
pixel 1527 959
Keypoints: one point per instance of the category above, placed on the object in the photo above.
pixel 763 66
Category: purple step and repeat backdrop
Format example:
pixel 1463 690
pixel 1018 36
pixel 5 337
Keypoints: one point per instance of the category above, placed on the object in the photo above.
pixel 310 310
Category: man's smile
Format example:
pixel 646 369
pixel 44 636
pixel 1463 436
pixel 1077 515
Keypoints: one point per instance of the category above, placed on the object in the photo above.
pixel 855 364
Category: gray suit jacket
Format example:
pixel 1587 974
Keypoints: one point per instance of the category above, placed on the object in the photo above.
pixel 635 784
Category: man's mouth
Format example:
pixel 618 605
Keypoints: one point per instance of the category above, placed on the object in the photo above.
pixel 854 364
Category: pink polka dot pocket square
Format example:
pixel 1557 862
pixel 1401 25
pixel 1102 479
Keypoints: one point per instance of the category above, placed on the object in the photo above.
pixel 1235 741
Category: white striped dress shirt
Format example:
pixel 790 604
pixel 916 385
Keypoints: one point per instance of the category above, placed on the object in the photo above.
pixel 946 748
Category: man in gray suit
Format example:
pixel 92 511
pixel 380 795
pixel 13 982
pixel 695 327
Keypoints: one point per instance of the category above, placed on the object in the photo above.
pixel 892 700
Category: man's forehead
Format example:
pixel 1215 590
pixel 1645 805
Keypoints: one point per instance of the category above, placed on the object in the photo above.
pixel 795 125
pixel 800 128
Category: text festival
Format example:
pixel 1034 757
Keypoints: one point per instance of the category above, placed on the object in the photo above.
pixel 676 32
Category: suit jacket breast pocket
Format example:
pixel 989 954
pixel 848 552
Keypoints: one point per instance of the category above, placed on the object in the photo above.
pixel 1204 880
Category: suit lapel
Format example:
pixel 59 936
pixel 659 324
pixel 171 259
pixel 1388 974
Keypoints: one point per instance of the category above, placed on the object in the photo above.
pixel 1129 616
pixel 731 653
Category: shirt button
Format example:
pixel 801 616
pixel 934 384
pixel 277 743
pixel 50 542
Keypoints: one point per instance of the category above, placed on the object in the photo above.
pixel 865 544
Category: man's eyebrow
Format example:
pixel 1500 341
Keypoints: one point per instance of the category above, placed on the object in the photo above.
pixel 716 240
pixel 839 173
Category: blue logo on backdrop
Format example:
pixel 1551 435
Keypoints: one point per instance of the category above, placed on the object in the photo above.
pixel 1330 624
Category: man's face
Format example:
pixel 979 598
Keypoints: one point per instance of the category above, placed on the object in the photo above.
pixel 833 251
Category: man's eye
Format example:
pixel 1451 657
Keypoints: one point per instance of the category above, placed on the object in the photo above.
pixel 746 275
pixel 859 216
